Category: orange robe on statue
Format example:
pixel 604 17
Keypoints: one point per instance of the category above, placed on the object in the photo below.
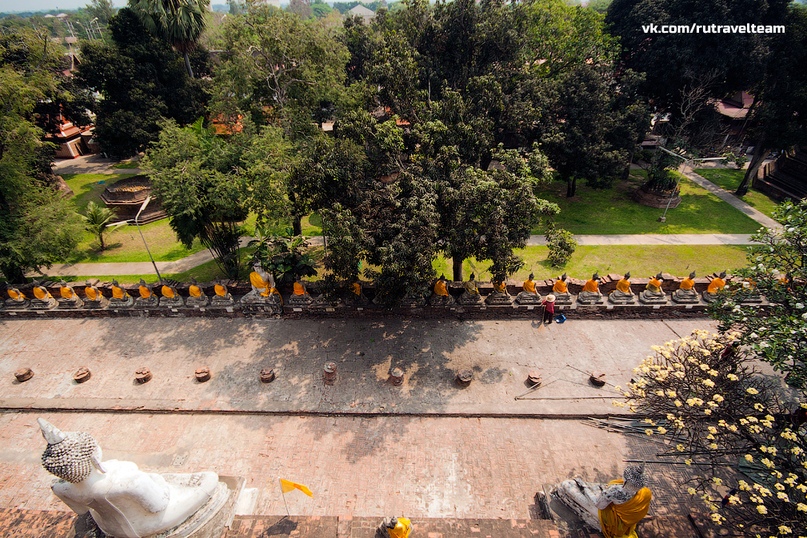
pixel 591 286
pixel 560 287
pixel 441 289
pixel 619 520
pixel 716 285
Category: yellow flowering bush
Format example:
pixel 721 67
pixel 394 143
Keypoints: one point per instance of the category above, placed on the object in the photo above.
pixel 717 414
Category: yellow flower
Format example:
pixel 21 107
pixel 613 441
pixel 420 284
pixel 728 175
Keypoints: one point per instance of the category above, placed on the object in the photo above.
pixel 712 429
pixel 679 447
pixel 688 461
pixel 751 390
pixel 678 403
pixel 661 430
pixel 713 446
pixel 761 509
pixel 691 491
pixel 801 507
pixel 732 377
pixel 708 382
pixel 718 398
pixel 783 529
pixel 648 431
pixel 749 458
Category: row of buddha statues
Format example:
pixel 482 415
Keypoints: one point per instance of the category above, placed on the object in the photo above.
pixel 265 295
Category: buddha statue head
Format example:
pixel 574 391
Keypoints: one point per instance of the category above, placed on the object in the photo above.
pixel 563 277
pixel 722 274
pixel 692 274
pixel 472 277
pixel 658 276
pixel 595 276
pixel 71 456
pixel 532 276
pixel 634 476
pixel 627 276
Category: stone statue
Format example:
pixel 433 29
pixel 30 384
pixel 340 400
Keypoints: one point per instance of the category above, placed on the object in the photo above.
pixel 686 294
pixel 299 295
pixel 67 297
pixel 147 297
pixel 170 297
pixel 42 300
pixel 263 297
pixel 93 298
pixel 470 295
pixel 614 508
pixel 590 294
pixel 653 294
pixel 748 292
pixel 394 527
pixel 500 294
pixel 561 291
pixel 356 296
pixel 124 501
pixel 715 286
pixel 222 297
pixel 196 295
pixel 529 295
pixel 441 297
pixel 16 298
pixel 622 294
pixel 120 297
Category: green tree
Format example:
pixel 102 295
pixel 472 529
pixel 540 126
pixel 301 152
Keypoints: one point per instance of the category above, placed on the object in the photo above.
pixel 179 22
pixel 96 219
pixel 103 10
pixel 778 334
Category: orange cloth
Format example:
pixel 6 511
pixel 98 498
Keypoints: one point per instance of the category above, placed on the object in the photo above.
pixel 624 286
pixel 118 293
pixel 716 285
pixel 257 281
pixel 41 293
pixel 145 293
pixel 441 288
pixel 195 291
pixel 619 520
pixel 220 290
pixel 591 286
pixel 168 292
pixel 501 287
pixel 66 292
pixel 560 287
pixel 299 289
pixel 16 295
pixel 654 284
pixel 687 284
pixel 92 293
pixel 356 288
pixel 529 286
pixel 402 530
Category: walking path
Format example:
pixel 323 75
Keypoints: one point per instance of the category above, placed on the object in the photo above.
pixel 739 204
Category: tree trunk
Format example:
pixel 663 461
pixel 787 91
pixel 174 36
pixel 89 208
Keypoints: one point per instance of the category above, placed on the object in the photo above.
pixel 13 273
pixel 101 240
pixel 457 264
pixel 753 167
pixel 188 65
pixel 571 187
pixel 296 225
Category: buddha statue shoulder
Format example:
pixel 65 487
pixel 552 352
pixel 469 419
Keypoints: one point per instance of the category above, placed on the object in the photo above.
pixel 120 297
pixel 590 293
pixel 196 295
pixel 622 294
pixel 529 294
pixel 560 289
pixel 470 294
pixel 441 296
pixel 16 298
pixel 686 293
pixel 68 298
pixel 221 296
pixel 146 297
pixel 715 286
pixel 500 295
pixel 299 294
pixel 653 294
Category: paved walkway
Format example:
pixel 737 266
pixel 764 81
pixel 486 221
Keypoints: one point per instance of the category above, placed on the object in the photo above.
pixel 738 203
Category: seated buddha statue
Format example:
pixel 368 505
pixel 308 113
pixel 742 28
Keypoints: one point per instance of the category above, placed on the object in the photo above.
pixel 528 295
pixel 147 297
pixel 120 297
pixel 622 294
pixel 441 297
pixel 16 298
pixel 614 508
pixel 42 299
pixel 748 292
pixel 93 298
pixel 67 297
pixel 470 294
pixel 196 295
pixel 170 297
pixel 221 296
pixel 500 295
pixel 686 294
pixel 123 500
pixel 356 296
pixel 653 294
pixel 560 289
pixel 715 286
pixel 590 294
pixel 299 295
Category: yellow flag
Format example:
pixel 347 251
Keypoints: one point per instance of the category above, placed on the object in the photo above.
pixel 287 485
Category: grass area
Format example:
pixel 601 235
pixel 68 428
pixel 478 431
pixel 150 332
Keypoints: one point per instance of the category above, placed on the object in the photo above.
pixel 613 211
pixel 641 261
pixel 126 165
pixel 88 187
pixel 729 179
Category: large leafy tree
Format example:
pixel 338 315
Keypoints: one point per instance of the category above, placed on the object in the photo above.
pixel 37 226
pixel 142 80
pixel 178 22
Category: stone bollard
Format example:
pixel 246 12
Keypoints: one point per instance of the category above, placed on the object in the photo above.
pixel 329 373
pixel 534 378
pixel 464 377
pixel 597 379
pixel 396 377
pixel 142 375
pixel 23 374
pixel 267 375
pixel 82 374
pixel 202 374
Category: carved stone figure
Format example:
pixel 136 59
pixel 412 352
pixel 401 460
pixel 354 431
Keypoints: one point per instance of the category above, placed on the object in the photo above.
pixel 196 295
pixel 441 297
pixel 686 294
pixel 471 294
pixel 622 294
pixel 42 300
pixel 147 298
pixel 529 295
pixel 614 508
pixel 120 297
pixel 67 297
pixel 299 295
pixel 170 297
pixel 748 292
pixel 715 286
pixel 124 501
pixel 356 296
pixel 590 294
pixel 222 297
pixel 653 294
pixel 16 298
pixel 93 298
pixel 500 295
pixel 561 291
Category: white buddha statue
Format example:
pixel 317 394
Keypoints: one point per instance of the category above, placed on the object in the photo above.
pixel 124 501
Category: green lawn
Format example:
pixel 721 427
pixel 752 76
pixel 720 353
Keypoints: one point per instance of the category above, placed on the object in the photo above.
pixel 126 165
pixel 613 211
pixel 641 261
pixel 729 179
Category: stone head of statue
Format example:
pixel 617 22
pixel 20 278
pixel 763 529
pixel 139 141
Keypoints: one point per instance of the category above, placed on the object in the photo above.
pixel 472 277
pixel 627 275
pixel 442 277
pixel 142 282
pixel 722 274
pixel 62 283
pixel 692 274
pixel 563 277
pixel 658 276
pixel 532 275
pixel 71 456
pixel 634 475
pixel 114 283
pixel 595 276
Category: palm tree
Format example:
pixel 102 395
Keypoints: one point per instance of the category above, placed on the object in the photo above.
pixel 179 22
pixel 96 219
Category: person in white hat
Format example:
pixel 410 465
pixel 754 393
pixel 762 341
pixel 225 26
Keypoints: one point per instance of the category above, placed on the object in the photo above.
pixel 549 308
